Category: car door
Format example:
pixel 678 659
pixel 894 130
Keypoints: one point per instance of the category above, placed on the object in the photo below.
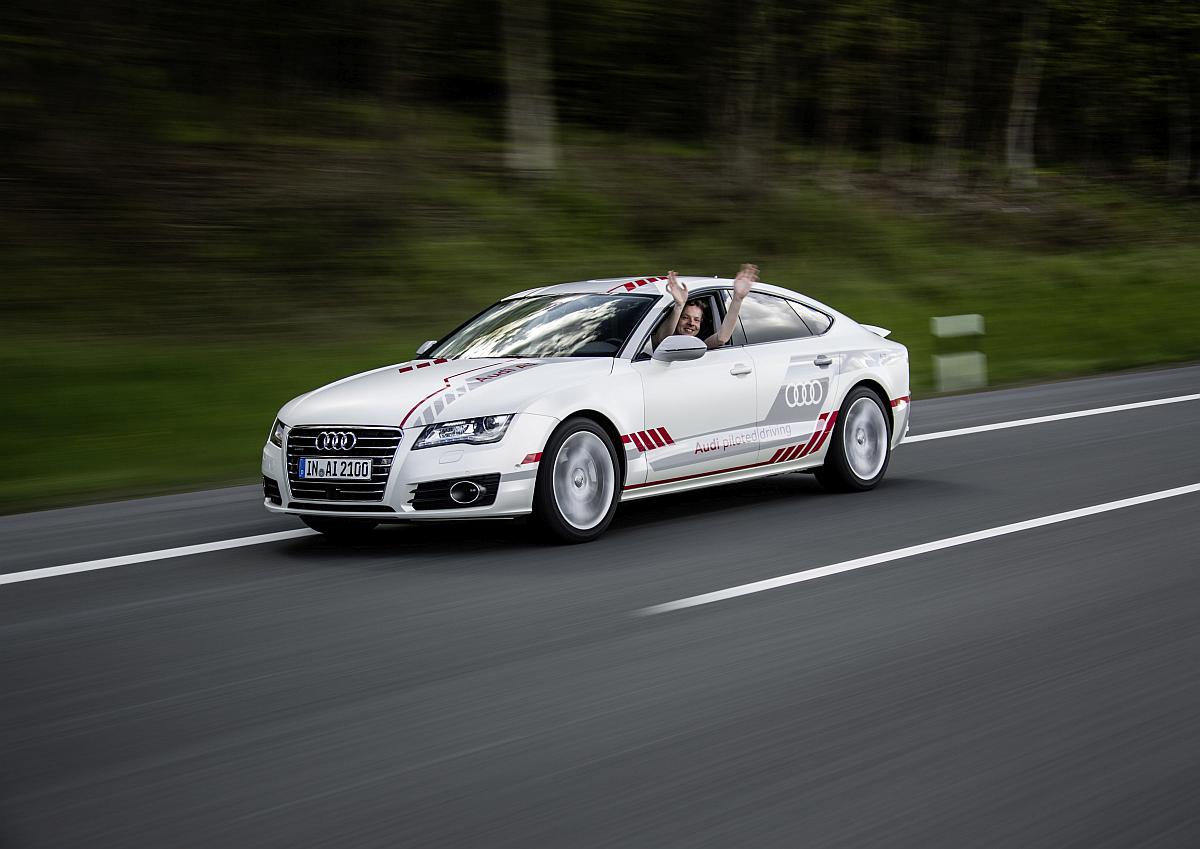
pixel 797 379
pixel 700 413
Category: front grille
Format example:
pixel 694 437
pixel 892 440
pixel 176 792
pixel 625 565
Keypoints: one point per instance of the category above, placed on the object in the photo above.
pixel 271 490
pixel 435 495
pixel 378 443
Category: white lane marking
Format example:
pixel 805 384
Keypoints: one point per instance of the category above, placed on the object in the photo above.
pixel 1056 417
pixel 184 551
pixel 161 554
pixel 913 550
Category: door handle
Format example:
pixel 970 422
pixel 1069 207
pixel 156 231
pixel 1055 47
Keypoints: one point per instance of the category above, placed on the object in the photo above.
pixel 740 369
pixel 822 361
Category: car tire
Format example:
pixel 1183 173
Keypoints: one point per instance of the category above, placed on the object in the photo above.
pixel 860 448
pixel 578 483
pixel 342 530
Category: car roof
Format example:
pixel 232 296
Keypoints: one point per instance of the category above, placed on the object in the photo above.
pixel 653 284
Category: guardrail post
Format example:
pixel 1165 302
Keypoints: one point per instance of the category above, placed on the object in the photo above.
pixel 958 369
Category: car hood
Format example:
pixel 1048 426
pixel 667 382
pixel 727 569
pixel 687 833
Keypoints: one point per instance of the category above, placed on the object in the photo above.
pixel 420 392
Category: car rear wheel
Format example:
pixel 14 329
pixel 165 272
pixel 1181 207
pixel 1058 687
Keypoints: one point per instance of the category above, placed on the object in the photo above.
pixel 861 446
pixel 343 530
pixel 578 483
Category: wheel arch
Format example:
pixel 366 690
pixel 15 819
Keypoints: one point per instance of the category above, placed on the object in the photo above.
pixel 611 429
pixel 876 387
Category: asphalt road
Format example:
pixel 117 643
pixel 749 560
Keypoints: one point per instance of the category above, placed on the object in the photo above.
pixel 460 685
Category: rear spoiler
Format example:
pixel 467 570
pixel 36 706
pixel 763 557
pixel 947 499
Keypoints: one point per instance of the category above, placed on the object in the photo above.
pixel 878 331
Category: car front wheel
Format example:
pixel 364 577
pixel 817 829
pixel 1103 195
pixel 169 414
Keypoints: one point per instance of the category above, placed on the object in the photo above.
pixel 578 482
pixel 861 446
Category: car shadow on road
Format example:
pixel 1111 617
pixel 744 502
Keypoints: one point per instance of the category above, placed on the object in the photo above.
pixel 768 504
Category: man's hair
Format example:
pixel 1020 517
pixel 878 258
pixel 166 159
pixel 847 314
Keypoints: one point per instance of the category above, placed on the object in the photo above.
pixel 695 302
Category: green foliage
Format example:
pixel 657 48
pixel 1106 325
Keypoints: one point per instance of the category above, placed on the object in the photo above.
pixel 207 212
pixel 164 370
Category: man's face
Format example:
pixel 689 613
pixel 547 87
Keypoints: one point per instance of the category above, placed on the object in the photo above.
pixel 689 321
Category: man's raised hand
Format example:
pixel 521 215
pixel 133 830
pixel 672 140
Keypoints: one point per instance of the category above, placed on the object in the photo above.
pixel 746 278
pixel 677 288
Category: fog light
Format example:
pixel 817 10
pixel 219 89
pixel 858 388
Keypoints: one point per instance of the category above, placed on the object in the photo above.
pixel 465 492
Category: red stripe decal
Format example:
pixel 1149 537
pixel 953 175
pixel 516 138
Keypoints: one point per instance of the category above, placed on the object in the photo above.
pixel 440 360
pixel 406 368
pixel 903 399
pixel 629 287
pixel 816 434
pixel 666 436
pixel 638 442
pixel 625 440
pixel 653 435
pixel 828 429
pixel 423 365
pixel 776 455
pixel 445 380
pixel 531 458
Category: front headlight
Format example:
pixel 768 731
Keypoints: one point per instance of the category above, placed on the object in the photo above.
pixel 473 431
pixel 277 429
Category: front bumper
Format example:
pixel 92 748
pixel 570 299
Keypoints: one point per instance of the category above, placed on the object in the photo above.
pixel 513 458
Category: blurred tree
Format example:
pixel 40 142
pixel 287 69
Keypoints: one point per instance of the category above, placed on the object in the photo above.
pixel 954 102
pixel 530 110
pixel 1022 113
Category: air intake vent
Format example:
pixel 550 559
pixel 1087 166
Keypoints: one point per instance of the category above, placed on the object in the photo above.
pixel 440 495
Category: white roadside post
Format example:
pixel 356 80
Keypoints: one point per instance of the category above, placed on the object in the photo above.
pixel 963 369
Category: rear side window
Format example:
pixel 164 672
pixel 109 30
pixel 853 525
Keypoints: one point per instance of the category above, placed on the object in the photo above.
pixel 817 322
pixel 767 318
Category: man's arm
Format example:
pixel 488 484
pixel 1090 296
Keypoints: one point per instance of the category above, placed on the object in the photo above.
pixel 678 291
pixel 747 277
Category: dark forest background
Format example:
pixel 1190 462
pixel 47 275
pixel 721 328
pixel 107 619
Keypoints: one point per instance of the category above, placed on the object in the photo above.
pixel 210 207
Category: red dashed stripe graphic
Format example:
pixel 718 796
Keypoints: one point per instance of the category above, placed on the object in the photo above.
pixel 424 364
pixel 816 434
pixel 648 440
pixel 788 453
pixel 634 284
pixel 825 433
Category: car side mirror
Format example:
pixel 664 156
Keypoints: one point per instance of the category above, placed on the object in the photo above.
pixel 676 349
pixel 426 347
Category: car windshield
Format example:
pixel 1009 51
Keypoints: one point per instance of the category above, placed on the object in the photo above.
pixel 548 326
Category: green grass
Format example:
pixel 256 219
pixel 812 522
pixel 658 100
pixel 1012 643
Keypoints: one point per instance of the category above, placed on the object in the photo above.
pixel 161 368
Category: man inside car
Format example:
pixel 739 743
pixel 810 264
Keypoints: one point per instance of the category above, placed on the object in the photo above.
pixel 687 316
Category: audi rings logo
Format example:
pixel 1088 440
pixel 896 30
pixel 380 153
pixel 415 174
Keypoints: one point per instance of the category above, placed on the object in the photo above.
pixel 803 394
pixel 336 440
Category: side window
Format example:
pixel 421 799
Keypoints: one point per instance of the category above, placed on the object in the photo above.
pixel 817 322
pixel 738 339
pixel 709 321
pixel 767 318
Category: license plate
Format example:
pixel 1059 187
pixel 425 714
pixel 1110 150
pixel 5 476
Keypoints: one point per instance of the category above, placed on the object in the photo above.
pixel 334 469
